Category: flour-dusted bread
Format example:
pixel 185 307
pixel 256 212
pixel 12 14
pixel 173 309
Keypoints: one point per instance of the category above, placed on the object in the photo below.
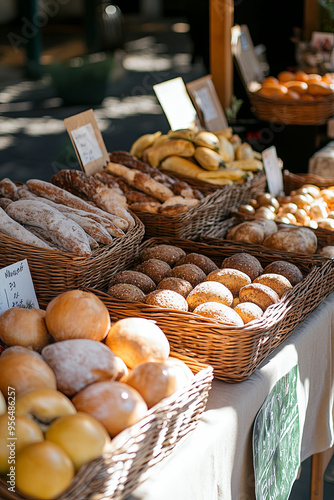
pixel 248 311
pixel 209 291
pixel 286 269
pixel 188 272
pixel 168 253
pixel 183 287
pixel 277 282
pixel 233 279
pixel 167 299
pixel 259 294
pixel 245 262
pixel 219 312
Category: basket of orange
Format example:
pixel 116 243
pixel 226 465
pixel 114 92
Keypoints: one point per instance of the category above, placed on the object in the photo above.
pixel 294 98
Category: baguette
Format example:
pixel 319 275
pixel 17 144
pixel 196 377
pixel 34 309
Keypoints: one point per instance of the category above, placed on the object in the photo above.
pixel 12 228
pixel 4 202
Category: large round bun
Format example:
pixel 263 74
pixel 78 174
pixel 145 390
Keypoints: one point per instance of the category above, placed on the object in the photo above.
pixel 136 340
pixel 167 299
pixel 209 291
pixel 245 262
pixel 116 405
pixel 76 314
pixel 233 279
pixel 287 269
pixel 188 272
pixel 25 327
pixel 168 253
pixel 202 261
pixel 183 287
pixel 259 294
pixel 79 362
pixel 219 312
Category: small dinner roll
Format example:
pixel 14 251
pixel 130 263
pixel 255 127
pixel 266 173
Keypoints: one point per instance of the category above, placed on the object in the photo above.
pixel 245 262
pixel 202 261
pixel 183 287
pixel 259 294
pixel 287 269
pixel 219 312
pixel 126 291
pixel 168 253
pixel 189 272
pixel 233 279
pixel 277 282
pixel 248 311
pixel 156 269
pixel 140 280
pixel 167 299
pixel 209 291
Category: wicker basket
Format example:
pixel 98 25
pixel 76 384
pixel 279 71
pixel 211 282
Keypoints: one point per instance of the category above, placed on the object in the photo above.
pixel 136 449
pixel 295 181
pixel 234 352
pixel 54 271
pixel 292 112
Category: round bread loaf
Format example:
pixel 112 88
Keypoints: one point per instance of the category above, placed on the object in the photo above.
pixel 156 269
pixel 277 282
pixel 287 269
pixel 245 262
pixel 209 291
pixel 188 272
pixel 259 294
pixel 140 280
pixel 269 226
pixel 233 279
pixel 202 261
pixel 183 287
pixel 293 239
pixel 167 299
pixel 248 311
pixel 247 232
pixel 168 253
pixel 126 291
pixel 327 251
pixel 25 327
pixel 219 312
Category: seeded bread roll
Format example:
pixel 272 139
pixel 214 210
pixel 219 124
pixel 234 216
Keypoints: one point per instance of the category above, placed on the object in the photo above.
pixel 202 261
pixel 209 291
pixel 248 311
pixel 183 287
pixel 277 282
pixel 126 291
pixel 145 283
pixel 245 262
pixel 168 253
pixel 287 269
pixel 156 269
pixel 233 279
pixel 189 272
pixel 219 312
pixel 259 294
pixel 167 299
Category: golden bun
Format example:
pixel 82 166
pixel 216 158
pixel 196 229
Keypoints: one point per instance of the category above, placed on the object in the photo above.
pixel 259 294
pixel 219 312
pixel 280 284
pixel 24 327
pixel 233 279
pixel 248 311
pixel 167 299
pixel 285 268
pixel 209 291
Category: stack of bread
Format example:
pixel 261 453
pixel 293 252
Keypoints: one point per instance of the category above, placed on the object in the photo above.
pixel 77 380
pixel 233 292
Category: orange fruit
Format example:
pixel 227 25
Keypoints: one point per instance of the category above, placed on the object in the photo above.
pixel 301 76
pixel 285 76
pixel 297 86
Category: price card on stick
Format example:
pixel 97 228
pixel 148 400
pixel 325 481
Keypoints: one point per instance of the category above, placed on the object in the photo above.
pixel 16 287
pixel 273 168
pixel 87 141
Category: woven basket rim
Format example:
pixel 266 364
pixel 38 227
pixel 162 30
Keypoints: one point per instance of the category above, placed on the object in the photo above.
pixel 268 100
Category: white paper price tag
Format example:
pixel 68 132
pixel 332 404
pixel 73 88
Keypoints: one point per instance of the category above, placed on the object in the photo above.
pixel 86 143
pixel 272 166
pixel 16 287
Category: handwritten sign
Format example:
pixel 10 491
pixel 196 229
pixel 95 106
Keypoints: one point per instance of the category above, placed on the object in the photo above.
pixel 272 166
pixel 16 287
pixel 276 440
pixel 86 144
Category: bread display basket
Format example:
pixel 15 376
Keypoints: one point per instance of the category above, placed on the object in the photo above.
pixel 293 181
pixel 234 352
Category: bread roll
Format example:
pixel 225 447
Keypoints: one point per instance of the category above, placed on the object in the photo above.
pixel 202 261
pixel 25 327
pixel 188 272
pixel 209 291
pixel 156 269
pixel 277 282
pixel 245 262
pixel 233 279
pixel 77 314
pixel 79 362
pixel 183 287
pixel 140 280
pixel 269 226
pixel 136 340
pixel 327 251
pixel 259 294
pixel 219 312
pixel 167 299
pixel 287 269
pixel 248 311
pixel 168 253
pixel 247 232
pixel 126 291
pixel 293 239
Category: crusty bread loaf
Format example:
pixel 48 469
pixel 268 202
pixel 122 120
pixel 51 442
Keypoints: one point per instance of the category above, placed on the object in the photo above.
pixel 156 269
pixel 233 279
pixel 248 311
pixel 8 188
pixel 293 239
pixel 176 209
pixel 168 253
pixel 141 280
pixel 277 282
pixel 126 291
pixel 245 262
pixel 188 272
pixel 183 287
pixel 14 229
pixel 145 206
pixel 202 261
pixel 247 232
pixel 4 202
pixel 287 269
pixel 259 294
pixel 167 299
pixel 219 312
pixel 209 291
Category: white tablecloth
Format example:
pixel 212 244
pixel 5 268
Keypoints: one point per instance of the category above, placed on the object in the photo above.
pixel 215 460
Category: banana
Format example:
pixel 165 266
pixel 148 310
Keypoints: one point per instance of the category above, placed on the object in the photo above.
pixel 249 164
pixel 179 147
pixel 234 174
pixel 182 133
pixel 181 165
pixel 208 139
pixel 143 142
pixel 207 158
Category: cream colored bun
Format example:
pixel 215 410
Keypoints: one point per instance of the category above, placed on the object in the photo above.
pixel 140 280
pixel 43 406
pixel 126 291
pixel 287 269
pixel 168 253
pixel 136 340
pixel 25 327
pixel 219 312
pixel 79 362
pixel 167 299
pixel 280 284
pixel 156 269
pixel 188 374
pixel 245 262
pixel 293 239
pixel 116 405
pixel 76 314
pixel 209 291
pixel 24 370
pixel 202 261
pixel 183 287
pixel 156 380
pixel 259 294
pixel 248 311
pixel 233 279
pixel 188 272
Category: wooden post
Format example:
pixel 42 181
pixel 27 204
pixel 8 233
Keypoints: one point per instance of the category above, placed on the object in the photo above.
pixel 311 18
pixel 319 464
pixel 221 62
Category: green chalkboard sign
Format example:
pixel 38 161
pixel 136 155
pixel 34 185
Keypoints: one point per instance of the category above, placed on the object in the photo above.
pixel 276 441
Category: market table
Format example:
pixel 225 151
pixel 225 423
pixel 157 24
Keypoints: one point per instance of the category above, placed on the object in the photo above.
pixel 215 461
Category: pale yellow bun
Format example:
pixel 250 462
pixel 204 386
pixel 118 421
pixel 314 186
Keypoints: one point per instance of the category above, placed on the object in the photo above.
pixel 188 272
pixel 77 314
pixel 167 299
pixel 233 279
pixel 168 253
pixel 202 261
pixel 280 284
pixel 248 311
pixel 25 327
pixel 219 312
pixel 116 405
pixel 259 294
pixel 245 262
pixel 285 268
pixel 156 269
pixel 209 291
pixel 188 374
pixel 24 370
pixel 183 287
pixel 79 362
pixel 136 340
